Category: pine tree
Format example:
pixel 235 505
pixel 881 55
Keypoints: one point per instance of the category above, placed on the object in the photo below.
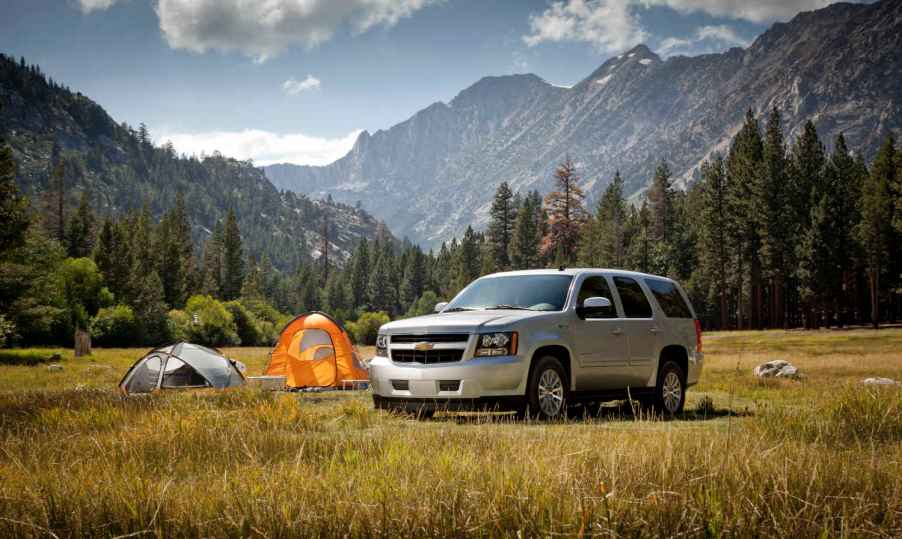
pixel 359 268
pixel 604 236
pixel 501 228
pixel 845 180
pixel 14 220
pixel 875 231
pixel 213 263
pixel 527 234
pixel 468 261
pixel 714 228
pixel 175 243
pixel 774 211
pixel 808 182
pixel 233 259
pixel 150 309
pixel 379 286
pixel 660 201
pixel 80 232
pixel 414 278
pixel 743 164
pixel 56 203
pixel 566 215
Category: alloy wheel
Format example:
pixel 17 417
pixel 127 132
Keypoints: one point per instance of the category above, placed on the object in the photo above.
pixel 672 392
pixel 551 393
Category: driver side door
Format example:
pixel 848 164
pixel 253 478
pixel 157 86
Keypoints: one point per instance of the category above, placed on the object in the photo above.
pixel 599 339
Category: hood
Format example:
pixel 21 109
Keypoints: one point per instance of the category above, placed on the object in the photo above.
pixel 464 321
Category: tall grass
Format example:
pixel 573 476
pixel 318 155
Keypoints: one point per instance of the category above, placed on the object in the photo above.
pixel 821 457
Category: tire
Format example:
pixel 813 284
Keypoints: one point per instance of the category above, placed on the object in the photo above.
pixel 670 391
pixel 547 390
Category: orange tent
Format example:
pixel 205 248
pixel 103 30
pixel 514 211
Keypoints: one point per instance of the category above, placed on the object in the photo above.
pixel 315 351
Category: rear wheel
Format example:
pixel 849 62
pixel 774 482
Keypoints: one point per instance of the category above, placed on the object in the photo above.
pixel 670 391
pixel 546 392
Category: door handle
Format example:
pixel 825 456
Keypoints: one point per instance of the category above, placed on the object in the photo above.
pixel 617 331
pixel 654 330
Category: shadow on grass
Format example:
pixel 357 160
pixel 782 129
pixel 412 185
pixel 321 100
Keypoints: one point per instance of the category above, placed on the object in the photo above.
pixel 607 412
pixel 27 357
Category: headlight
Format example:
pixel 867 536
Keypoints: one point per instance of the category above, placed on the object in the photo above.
pixel 382 345
pixel 496 344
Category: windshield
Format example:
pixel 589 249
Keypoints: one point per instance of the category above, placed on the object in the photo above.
pixel 532 292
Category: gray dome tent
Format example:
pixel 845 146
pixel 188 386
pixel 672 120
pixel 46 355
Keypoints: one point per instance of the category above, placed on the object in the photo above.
pixel 181 366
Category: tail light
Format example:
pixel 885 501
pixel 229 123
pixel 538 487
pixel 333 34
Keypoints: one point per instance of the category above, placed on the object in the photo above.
pixel 698 336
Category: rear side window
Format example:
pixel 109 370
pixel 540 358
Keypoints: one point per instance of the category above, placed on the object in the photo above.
pixel 635 304
pixel 669 298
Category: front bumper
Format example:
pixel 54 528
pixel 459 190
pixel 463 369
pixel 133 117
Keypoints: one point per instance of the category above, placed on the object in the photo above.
pixel 475 379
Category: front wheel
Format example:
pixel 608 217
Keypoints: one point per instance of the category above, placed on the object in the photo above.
pixel 546 392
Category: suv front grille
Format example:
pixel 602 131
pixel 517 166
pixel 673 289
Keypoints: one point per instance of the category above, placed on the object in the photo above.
pixel 427 357
pixel 439 337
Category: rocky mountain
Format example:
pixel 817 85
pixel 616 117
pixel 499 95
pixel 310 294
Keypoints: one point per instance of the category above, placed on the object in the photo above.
pixel 433 174
pixel 121 170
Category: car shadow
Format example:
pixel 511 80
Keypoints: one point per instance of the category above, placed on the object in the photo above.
pixel 608 412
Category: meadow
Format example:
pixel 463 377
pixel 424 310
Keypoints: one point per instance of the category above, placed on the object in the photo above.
pixel 816 457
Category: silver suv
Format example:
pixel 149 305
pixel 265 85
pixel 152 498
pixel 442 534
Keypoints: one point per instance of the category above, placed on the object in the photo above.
pixel 539 341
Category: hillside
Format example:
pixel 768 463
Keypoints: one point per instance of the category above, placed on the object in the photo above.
pixel 839 66
pixel 121 170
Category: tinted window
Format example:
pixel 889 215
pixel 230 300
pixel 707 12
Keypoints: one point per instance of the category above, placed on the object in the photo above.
pixel 597 287
pixel 669 298
pixel 144 379
pixel 635 304
pixel 536 292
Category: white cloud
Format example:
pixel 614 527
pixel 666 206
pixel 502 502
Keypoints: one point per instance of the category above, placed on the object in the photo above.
pixel 609 25
pixel 88 6
pixel 705 40
pixel 758 11
pixel 263 147
pixel 263 28
pixel 294 87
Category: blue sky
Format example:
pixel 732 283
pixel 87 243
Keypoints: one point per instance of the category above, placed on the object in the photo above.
pixel 296 80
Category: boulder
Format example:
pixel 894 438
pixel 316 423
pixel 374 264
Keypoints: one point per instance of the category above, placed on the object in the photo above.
pixel 880 381
pixel 777 368
pixel 54 367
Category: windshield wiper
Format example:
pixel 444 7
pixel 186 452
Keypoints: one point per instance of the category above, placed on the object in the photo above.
pixel 508 307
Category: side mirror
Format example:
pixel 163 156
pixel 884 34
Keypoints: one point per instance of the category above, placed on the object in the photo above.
pixel 593 306
pixel 440 306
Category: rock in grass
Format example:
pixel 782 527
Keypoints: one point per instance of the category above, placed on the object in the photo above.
pixel 880 381
pixel 54 367
pixel 777 368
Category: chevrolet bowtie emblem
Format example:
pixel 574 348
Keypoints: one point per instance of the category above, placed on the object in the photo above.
pixel 423 346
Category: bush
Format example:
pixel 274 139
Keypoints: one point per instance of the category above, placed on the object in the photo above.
pixel 7 330
pixel 365 329
pixel 246 324
pixel 205 321
pixel 424 305
pixel 114 326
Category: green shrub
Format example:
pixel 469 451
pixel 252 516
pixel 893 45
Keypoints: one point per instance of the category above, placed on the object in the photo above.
pixel 114 326
pixel 7 330
pixel 246 324
pixel 365 329
pixel 424 305
pixel 205 321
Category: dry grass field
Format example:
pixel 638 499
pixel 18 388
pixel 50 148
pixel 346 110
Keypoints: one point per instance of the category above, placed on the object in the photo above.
pixel 817 457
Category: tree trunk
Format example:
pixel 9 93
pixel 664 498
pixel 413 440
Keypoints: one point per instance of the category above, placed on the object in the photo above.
pixel 82 343
pixel 874 282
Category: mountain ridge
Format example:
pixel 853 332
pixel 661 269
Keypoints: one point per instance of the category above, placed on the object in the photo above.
pixel 834 66
pixel 43 122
